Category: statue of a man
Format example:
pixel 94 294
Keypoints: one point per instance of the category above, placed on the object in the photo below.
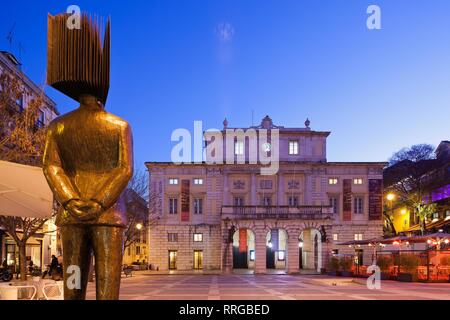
pixel 88 161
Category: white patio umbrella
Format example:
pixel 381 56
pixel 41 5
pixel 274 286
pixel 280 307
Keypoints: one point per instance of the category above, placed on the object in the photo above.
pixel 24 191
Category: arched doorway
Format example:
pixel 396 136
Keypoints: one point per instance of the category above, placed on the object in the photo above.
pixel 244 249
pixel 276 249
pixel 310 250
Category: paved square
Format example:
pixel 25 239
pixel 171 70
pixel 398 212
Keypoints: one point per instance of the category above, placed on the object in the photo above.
pixel 269 287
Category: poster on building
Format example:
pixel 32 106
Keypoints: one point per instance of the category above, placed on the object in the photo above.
pixel 347 200
pixel 185 200
pixel 242 240
pixel 375 199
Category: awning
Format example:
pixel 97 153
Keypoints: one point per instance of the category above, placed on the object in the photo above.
pixel 24 191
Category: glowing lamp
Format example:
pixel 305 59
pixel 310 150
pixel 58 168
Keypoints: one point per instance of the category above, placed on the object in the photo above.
pixel 390 196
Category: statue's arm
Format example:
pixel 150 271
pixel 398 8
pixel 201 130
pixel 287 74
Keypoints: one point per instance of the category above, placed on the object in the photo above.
pixel 57 179
pixel 121 175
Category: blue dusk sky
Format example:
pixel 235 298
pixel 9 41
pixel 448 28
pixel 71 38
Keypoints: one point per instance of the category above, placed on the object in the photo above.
pixel 174 62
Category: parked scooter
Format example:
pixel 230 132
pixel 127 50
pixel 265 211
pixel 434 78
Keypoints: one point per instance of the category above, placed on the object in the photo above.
pixel 5 275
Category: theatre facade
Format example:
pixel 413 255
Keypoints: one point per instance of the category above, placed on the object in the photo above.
pixel 213 216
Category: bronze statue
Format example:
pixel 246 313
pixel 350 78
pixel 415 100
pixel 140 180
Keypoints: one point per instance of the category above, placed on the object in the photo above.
pixel 88 158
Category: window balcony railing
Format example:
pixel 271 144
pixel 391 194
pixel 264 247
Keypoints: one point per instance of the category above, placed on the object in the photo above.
pixel 278 212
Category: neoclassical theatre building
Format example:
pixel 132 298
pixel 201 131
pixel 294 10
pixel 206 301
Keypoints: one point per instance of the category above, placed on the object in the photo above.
pixel 231 216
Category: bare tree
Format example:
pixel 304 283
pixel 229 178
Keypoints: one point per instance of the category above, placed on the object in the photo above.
pixel 137 207
pixel 22 139
pixel 415 153
pixel 409 186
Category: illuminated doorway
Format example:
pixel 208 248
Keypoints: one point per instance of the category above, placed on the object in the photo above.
pixel 172 260
pixel 198 259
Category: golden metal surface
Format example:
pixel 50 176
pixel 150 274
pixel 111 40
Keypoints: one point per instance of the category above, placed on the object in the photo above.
pixel 88 159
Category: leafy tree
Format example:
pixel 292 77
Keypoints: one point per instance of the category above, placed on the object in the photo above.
pixel 22 140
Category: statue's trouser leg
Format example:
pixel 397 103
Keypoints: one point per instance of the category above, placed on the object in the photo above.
pixel 76 253
pixel 108 250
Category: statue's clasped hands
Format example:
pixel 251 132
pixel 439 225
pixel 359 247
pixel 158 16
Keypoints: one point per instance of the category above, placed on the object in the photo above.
pixel 84 210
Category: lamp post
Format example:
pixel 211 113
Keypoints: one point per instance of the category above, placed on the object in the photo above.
pixel 390 197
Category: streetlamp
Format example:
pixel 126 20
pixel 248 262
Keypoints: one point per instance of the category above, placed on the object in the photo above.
pixel 139 226
pixel 390 197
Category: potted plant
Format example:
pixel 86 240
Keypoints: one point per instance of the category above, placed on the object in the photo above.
pixel 333 267
pixel 408 267
pixel 36 273
pixel 385 262
pixel 346 264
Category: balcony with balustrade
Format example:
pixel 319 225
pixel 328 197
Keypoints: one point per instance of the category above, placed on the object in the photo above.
pixel 277 212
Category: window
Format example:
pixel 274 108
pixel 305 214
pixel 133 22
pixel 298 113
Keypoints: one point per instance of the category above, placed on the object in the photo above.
pixel 19 102
pixel 198 206
pixel 252 255
pixel 41 119
pixel 281 255
pixel 238 201
pixel 333 181
pixel 138 250
pixel 198 181
pixel 172 237
pixel 293 147
pixel 358 236
pixel 198 237
pixel 173 205
pixel 358 181
pixel 265 184
pixel 293 201
pixel 335 237
pixel 267 201
pixel 334 202
pixel 173 181
pixel 129 251
pixel 447 215
pixel 358 205
pixel 239 148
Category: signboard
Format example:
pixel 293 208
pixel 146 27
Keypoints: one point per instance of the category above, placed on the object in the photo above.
pixel 347 200
pixel 375 199
pixel 185 201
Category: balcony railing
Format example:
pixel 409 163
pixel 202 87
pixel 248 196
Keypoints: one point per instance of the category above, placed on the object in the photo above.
pixel 277 212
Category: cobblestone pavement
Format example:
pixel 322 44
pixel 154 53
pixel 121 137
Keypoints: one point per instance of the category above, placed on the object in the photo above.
pixel 269 287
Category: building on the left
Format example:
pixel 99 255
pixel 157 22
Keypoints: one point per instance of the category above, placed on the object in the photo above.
pixel 43 244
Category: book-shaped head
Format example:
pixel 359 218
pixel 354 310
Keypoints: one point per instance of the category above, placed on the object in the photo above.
pixel 77 61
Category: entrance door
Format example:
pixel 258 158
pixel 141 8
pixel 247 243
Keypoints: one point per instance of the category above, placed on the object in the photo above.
pixel 198 259
pixel 270 258
pixel 316 252
pixel 172 260
pixel 239 259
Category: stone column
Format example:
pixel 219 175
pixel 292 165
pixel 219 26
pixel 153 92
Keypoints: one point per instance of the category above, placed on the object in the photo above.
pixel 260 251
pixel 293 259
pixel 227 250
pixel 253 200
pixel 226 189
pixel 280 189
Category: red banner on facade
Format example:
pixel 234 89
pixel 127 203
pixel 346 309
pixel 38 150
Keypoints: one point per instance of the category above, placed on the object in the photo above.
pixel 242 240
pixel 347 200
pixel 375 199
pixel 185 200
